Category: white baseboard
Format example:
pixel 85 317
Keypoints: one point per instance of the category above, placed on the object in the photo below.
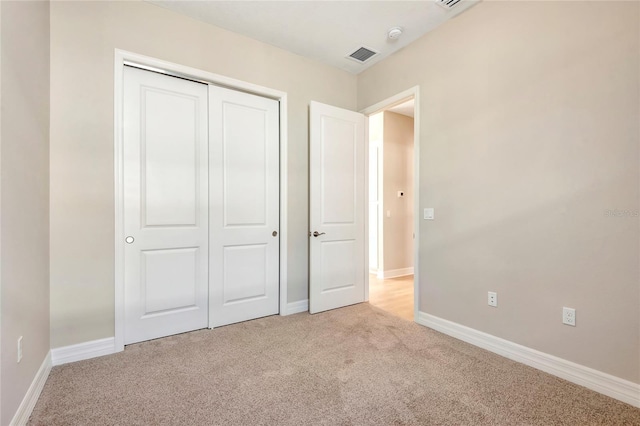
pixel 297 307
pixel 598 381
pixel 394 273
pixel 33 393
pixel 86 350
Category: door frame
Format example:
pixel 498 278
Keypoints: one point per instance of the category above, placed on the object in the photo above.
pixel 123 58
pixel 377 107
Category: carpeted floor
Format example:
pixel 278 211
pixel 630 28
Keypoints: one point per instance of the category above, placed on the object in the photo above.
pixel 352 366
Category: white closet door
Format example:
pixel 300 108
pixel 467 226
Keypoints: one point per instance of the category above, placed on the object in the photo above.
pixel 244 220
pixel 166 205
pixel 337 196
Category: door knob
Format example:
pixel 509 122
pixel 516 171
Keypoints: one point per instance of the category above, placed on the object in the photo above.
pixel 274 233
pixel 317 234
pixel 129 240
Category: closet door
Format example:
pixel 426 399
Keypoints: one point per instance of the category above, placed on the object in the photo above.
pixel 244 200
pixel 165 206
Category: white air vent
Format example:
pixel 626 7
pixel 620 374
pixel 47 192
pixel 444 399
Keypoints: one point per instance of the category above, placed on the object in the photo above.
pixel 362 54
pixel 448 4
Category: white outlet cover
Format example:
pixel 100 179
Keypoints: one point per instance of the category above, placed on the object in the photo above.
pixel 492 299
pixel 429 213
pixel 569 316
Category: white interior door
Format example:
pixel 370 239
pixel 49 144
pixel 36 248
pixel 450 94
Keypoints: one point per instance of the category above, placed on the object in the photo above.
pixel 244 221
pixel 165 205
pixel 337 208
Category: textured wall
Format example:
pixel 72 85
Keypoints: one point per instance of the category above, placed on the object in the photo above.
pixel 83 38
pixel 24 191
pixel 529 134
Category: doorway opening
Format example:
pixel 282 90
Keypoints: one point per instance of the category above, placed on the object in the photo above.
pixel 392 209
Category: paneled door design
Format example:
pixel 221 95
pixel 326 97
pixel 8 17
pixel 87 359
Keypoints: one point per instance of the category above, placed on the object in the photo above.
pixel 337 196
pixel 244 199
pixel 165 205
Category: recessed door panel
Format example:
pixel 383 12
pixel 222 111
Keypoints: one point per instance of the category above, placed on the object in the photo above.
pixel 244 221
pixel 169 279
pixel 338 265
pixel 241 283
pixel 169 144
pixel 338 171
pixel 245 164
pixel 165 205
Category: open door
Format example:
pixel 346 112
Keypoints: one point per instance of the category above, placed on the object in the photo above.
pixel 337 208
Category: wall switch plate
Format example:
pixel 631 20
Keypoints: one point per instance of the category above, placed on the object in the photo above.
pixel 429 213
pixel 19 348
pixel 569 316
pixel 492 299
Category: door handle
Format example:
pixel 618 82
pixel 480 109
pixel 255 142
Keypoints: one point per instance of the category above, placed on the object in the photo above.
pixel 274 233
pixel 129 240
pixel 317 234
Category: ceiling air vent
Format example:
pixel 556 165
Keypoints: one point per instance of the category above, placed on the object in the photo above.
pixel 362 54
pixel 448 4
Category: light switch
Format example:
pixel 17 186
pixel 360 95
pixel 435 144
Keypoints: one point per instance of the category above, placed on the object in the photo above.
pixel 429 213
pixel 388 213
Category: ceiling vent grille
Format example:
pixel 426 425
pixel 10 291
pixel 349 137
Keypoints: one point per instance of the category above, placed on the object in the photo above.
pixel 362 54
pixel 448 4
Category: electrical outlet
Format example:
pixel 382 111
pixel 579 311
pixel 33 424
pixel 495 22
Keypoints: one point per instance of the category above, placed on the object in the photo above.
pixel 493 299
pixel 569 316
pixel 19 348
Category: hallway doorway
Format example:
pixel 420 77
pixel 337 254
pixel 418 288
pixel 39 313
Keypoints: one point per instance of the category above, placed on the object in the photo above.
pixel 391 208
pixel 394 295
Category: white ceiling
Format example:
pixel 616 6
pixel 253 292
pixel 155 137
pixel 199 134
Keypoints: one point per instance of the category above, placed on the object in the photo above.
pixel 405 108
pixel 323 30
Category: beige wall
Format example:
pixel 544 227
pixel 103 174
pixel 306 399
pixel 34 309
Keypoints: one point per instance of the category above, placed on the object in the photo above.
pixel 397 175
pixel 529 133
pixel 24 187
pixel 83 38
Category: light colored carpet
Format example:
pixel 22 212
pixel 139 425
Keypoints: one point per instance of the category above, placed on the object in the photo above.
pixel 352 366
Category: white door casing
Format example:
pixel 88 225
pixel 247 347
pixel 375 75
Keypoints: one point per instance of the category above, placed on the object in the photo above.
pixel 374 206
pixel 244 194
pixel 165 205
pixel 417 215
pixel 337 208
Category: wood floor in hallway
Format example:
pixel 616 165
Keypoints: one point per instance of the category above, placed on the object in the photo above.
pixel 394 295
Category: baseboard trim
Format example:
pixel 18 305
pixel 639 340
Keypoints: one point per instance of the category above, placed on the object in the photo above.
pixel 394 273
pixel 598 381
pixel 33 393
pixel 81 351
pixel 297 307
